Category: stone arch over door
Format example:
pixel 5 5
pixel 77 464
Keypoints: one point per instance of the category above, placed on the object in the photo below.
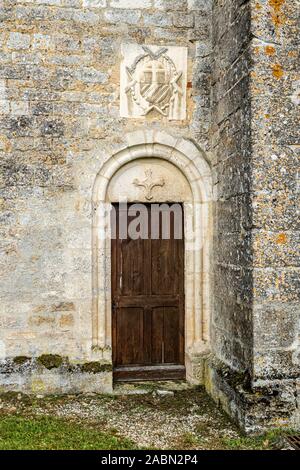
pixel 190 161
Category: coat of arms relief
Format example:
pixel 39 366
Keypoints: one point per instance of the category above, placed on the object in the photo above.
pixel 153 79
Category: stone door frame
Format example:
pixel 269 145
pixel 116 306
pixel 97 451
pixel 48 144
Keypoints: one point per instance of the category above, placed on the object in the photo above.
pixel 193 164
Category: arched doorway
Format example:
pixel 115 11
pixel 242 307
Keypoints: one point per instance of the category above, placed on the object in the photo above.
pixel 184 166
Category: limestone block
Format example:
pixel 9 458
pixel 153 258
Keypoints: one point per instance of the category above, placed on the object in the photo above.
pixel 183 21
pixel 18 41
pixel 19 108
pixel 91 75
pixel 42 41
pixel 276 364
pixel 131 4
pixel 167 5
pixel 94 3
pixel 50 2
pixel 276 325
pixel 4 107
pixel 202 5
pixel 126 16
pixel 158 19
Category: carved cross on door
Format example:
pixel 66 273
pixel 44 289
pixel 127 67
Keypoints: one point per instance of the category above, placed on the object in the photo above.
pixel 149 184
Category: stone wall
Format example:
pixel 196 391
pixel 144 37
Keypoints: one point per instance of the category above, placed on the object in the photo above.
pixel 59 81
pixel 60 121
pixel 275 185
pixel 231 146
pixel 254 132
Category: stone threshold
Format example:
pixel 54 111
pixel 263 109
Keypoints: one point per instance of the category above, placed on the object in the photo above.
pixel 164 387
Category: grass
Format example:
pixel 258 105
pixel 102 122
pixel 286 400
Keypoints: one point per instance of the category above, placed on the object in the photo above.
pixel 41 433
pixel 269 440
pixel 249 443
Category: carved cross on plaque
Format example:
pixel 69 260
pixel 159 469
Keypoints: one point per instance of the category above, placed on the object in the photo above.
pixel 149 184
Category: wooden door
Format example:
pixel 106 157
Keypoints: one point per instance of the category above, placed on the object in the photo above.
pixel 148 303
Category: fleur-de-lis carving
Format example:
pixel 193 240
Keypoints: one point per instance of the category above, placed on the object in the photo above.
pixel 149 184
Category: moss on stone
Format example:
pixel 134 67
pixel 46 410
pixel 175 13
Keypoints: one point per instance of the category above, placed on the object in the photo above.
pixel 234 378
pixel 53 361
pixel 20 360
pixel 96 367
pixel 50 361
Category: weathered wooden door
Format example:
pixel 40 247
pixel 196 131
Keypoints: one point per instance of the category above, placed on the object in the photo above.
pixel 148 303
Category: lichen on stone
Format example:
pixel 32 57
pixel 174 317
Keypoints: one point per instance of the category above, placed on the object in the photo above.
pixel 277 15
pixel 277 71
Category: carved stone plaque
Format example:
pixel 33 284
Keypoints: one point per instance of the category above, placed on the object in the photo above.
pixel 153 79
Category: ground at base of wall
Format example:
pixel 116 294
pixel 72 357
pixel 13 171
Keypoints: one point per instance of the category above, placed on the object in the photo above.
pixel 255 407
pixel 181 419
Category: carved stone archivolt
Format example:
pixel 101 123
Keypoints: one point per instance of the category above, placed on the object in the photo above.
pixel 187 178
pixel 153 79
